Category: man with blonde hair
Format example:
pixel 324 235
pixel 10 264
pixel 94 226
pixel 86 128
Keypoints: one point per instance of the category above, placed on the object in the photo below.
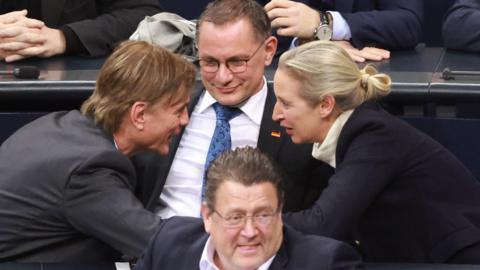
pixel 66 187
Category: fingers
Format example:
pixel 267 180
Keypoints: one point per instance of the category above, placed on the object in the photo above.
pixel 292 18
pixel 20 35
pixel 14 57
pixel 30 23
pixel 27 52
pixel 376 53
pixel 356 55
pixel 13 16
pixel 277 4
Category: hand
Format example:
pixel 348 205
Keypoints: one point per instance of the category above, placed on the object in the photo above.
pixel 292 18
pixel 16 27
pixel 46 42
pixel 367 53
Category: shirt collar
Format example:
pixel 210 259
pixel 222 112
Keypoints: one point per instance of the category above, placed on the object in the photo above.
pixel 206 261
pixel 326 150
pixel 252 107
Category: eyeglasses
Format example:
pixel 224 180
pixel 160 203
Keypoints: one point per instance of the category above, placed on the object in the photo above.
pixel 239 220
pixel 234 65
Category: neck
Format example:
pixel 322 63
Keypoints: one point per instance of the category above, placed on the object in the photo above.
pixel 123 143
pixel 325 126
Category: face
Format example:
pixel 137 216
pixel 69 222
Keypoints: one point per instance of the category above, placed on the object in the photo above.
pixel 251 245
pixel 303 122
pixel 163 120
pixel 233 41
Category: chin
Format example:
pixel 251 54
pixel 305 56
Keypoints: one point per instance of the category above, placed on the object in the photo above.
pixel 297 140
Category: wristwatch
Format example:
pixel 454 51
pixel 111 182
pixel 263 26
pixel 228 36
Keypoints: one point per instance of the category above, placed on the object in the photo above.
pixel 325 29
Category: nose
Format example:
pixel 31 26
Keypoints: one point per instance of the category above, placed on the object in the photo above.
pixel 249 230
pixel 277 112
pixel 223 75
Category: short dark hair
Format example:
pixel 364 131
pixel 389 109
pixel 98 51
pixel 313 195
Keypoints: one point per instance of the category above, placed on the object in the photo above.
pixel 247 166
pixel 220 12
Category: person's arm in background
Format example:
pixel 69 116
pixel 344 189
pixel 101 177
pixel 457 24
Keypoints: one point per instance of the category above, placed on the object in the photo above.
pixel 92 36
pixel 461 27
pixel 395 24
pixel 117 22
pixel 296 19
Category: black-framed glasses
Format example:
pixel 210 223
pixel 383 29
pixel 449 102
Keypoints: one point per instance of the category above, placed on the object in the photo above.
pixel 234 65
pixel 238 220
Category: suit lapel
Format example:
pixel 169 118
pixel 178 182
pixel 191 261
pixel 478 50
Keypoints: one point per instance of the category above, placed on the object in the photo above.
pixel 344 5
pixel 271 134
pixel 52 11
pixel 164 163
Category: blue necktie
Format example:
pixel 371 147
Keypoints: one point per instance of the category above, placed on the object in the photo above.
pixel 221 139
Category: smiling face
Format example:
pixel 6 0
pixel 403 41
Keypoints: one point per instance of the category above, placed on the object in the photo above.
pixel 163 120
pixel 229 42
pixel 304 122
pixel 250 245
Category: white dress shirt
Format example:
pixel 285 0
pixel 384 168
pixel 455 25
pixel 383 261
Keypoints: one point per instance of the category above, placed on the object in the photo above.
pixel 206 261
pixel 341 29
pixel 181 195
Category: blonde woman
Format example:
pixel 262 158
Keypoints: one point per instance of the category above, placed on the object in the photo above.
pixel 396 193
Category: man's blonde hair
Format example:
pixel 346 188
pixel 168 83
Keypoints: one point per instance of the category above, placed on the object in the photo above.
pixel 137 71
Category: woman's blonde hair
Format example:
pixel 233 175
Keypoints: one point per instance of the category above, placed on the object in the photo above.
pixel 137 71
pixel 325 68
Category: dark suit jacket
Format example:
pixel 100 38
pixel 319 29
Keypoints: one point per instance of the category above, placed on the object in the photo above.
pixel 99 24
pixel 304 177
pixel 398 192
pixel 461 28
pixel 66 194
pixel 179 243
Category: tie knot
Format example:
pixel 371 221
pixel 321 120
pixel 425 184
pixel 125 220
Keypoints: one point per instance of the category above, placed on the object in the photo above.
pixel 224 112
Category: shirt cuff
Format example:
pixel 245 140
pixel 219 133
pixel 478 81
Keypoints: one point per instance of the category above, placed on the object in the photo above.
pixel 73 44
pixel 341 30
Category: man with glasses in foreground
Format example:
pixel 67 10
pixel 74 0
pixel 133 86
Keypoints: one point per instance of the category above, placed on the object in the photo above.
pixel 235 44
pixel 242 226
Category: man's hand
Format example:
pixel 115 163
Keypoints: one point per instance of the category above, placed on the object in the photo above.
pixel 46 42
pixel 367 53
pixel 22 37
pixel 16 27
pixel 292 19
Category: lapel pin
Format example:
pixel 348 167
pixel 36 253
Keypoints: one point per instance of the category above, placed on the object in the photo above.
pixel 275 134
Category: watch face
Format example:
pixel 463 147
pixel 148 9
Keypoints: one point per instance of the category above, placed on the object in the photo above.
pixel 324 33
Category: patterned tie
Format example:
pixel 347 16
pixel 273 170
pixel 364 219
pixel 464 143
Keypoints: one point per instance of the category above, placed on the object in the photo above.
pixel 221 140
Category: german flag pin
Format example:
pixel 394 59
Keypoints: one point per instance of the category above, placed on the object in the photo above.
pixel 275 133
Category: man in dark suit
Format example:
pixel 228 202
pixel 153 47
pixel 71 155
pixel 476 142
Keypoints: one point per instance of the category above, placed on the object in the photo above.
pixel 461 28
pixel 359 26
pixel 235 44
pixel 54 27
pixel 242 226
pixel 66 182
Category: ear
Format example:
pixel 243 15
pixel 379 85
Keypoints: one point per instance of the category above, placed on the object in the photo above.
pixel 326 106
pixel 137 115
pixel 270 49
pixel 207 217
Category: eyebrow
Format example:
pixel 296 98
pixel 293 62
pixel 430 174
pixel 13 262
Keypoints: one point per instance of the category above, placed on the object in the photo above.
pixel 237 57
